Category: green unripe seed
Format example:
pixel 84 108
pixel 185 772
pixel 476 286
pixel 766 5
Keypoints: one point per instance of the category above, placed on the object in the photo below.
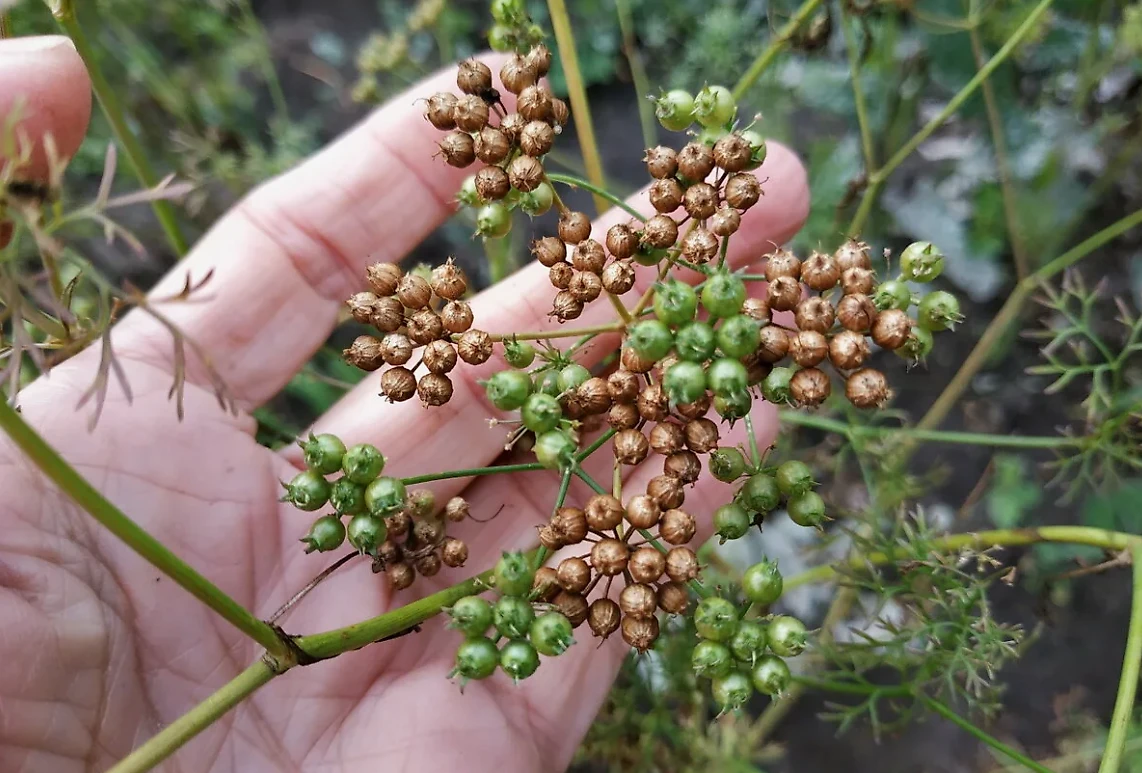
pixel 508 389
pixel 711 659
pixel 347 497
pixel 756 146
pixel 385 496
pixel 727 377
pixel 512 12
pixel 939 310
pixel 762 583
pixel 518 659
pixel 500 38
pixel 551 634
pixel 675 302
pixel 323 453
pixel 471 615
pixel 555 450
pixel 468 195
pixel 476 658
pixel 716 619
pixel 807 509
pixel 749 641
pixel 731 691
pixel 327 533
pixel 787 636
pixel 366 533
pixel 714 106
pixel 307 491
pixel 760 493
pixel 739 336
pixel 723 294
pixel 572 376
pixel 684 382
pixel 675 110
pixel 794 477
pixel 537 202
pixel 921 262
pixel 512 616
pixel 493 220
pixel 362 463
pixel 541 413
pixel 727 464
pixel 731 521
pixel 918 345
pixel 770 675
pixel 650 339
pixel 547 382
pixel 734 406
pixel 695 342
pixel 892 294
pixel 519 354
pixel 513 575
pixel 776 386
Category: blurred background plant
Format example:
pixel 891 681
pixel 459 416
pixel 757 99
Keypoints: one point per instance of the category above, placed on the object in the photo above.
pixel 1045 153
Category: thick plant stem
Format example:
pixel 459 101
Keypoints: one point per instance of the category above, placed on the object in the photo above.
pixel 172 737
pixel 577 92
pixel 1128 682
pixel 930 436
pixel 65 15
pixel 56 468
pixel 775 47
pixel 1010 311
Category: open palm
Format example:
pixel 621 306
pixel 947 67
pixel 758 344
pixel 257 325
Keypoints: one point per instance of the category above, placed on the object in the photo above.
pixel 98 650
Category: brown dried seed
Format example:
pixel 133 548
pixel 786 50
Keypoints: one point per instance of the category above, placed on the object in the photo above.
pixel 570 523
pixel 809 348
pixel 774 344
pixel 516 74
pixel 492 145
pixel 362 306
pixel 603 512
pixel 560 275
pixel 666 195
pixel 560 113
pixel 424 326
pixel 666 438
pixel 700 200
pixel 732 152
pixel 594 395
pixel 742 190
pixel 574 227
pixel 589 255
pixel 471 113
pixel 646 565
pixel 673 598
pixel 426 532
pixel 448 281
pixel 630 446
pixel 891 329
pixel 396 349
pixel 400 575
pixel 756 308
pixel 643 512
pixel 701 435
pixel 566 306
pixel 512 124
pixel 622 241
pixel 389 552
pixel 473 77
pixel 439 110
pixel 857 280
pixel 681 564
pixel 815 313
pixel 573 606
pixel 456 316
pixel 784 293
pixel 399 524
pixel 810 386
pixel 696 409
pixel 544 586
pixel 638 600
pixel 492 183
pixel 383 278
pixel 857 313
pixel 573 575
pixel 585 286
pixel 653 404
pixel 413 291
pixel 456 509
pixel 677 527
pixel 640 632
pixel 609 556
pixel 474 347
pixel 604 617
pixel 848 350
pixel 853 254
pixel 365 353
pixel 633 362
pixel 699 245
pixel 623 416
pixel 434 389
pixel 660 232
pixel 539 59
pixel 537 138
pixel 820 271
pixel 549 539
pixel 695 161
pixel 439 356
pixel 867 388
pixel 458 149
pixel 667 491
pixel 525 173
pixel 618 278
pixel 683 465
pixel 782 263
pixel 725 221
pixel 661 162
pixel 534 103
pixel 398 384
pixel 549 251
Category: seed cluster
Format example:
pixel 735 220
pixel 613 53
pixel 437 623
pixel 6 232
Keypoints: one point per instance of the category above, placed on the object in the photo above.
pixel 412 312
pixel 402 531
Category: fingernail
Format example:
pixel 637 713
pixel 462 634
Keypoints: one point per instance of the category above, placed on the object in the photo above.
pixel 34 44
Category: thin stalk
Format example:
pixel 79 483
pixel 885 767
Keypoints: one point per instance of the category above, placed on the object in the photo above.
pixel 57 469
pixel 1128 682
pixel 578 182
pixel 172 737
pixel 561 497
pixel 864 209
pixel 113 110
pixel 637 74
pixel 754 452
pixel 858 96
pixel 776 45
pixel 1010 311
pixel 599 441
pixel 945 712
pixel 577 93
pixel 266 62
pixel 473 472
pixel 541 335
pixel 930 436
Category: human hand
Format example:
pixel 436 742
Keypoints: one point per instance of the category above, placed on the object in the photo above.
pixel 98 650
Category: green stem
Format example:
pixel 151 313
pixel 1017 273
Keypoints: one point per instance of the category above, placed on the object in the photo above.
pixel 864 209
pixel 931 436
pixel 593 484
pixel 1010 311
pixel 754 452
pixel 1128 682
pixel 543 335
pixel 541 552
pixel 113 110
pixel 577 93
pixel 945 712
pixel 473 472
pixel 57 469
pixel 858 97
pixel 775 47
pixel 579 182
pixel 266 62
pixel 599 441
pixel 638 74
pixel 172 737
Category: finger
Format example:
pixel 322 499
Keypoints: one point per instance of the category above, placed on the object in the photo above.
pixel 412 436
pixel 44 92
pixel 285 259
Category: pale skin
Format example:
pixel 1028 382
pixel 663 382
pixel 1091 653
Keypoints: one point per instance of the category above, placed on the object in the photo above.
pixel 98 650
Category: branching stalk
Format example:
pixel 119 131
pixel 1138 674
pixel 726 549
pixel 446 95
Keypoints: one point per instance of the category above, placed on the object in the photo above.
pixel 776 45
